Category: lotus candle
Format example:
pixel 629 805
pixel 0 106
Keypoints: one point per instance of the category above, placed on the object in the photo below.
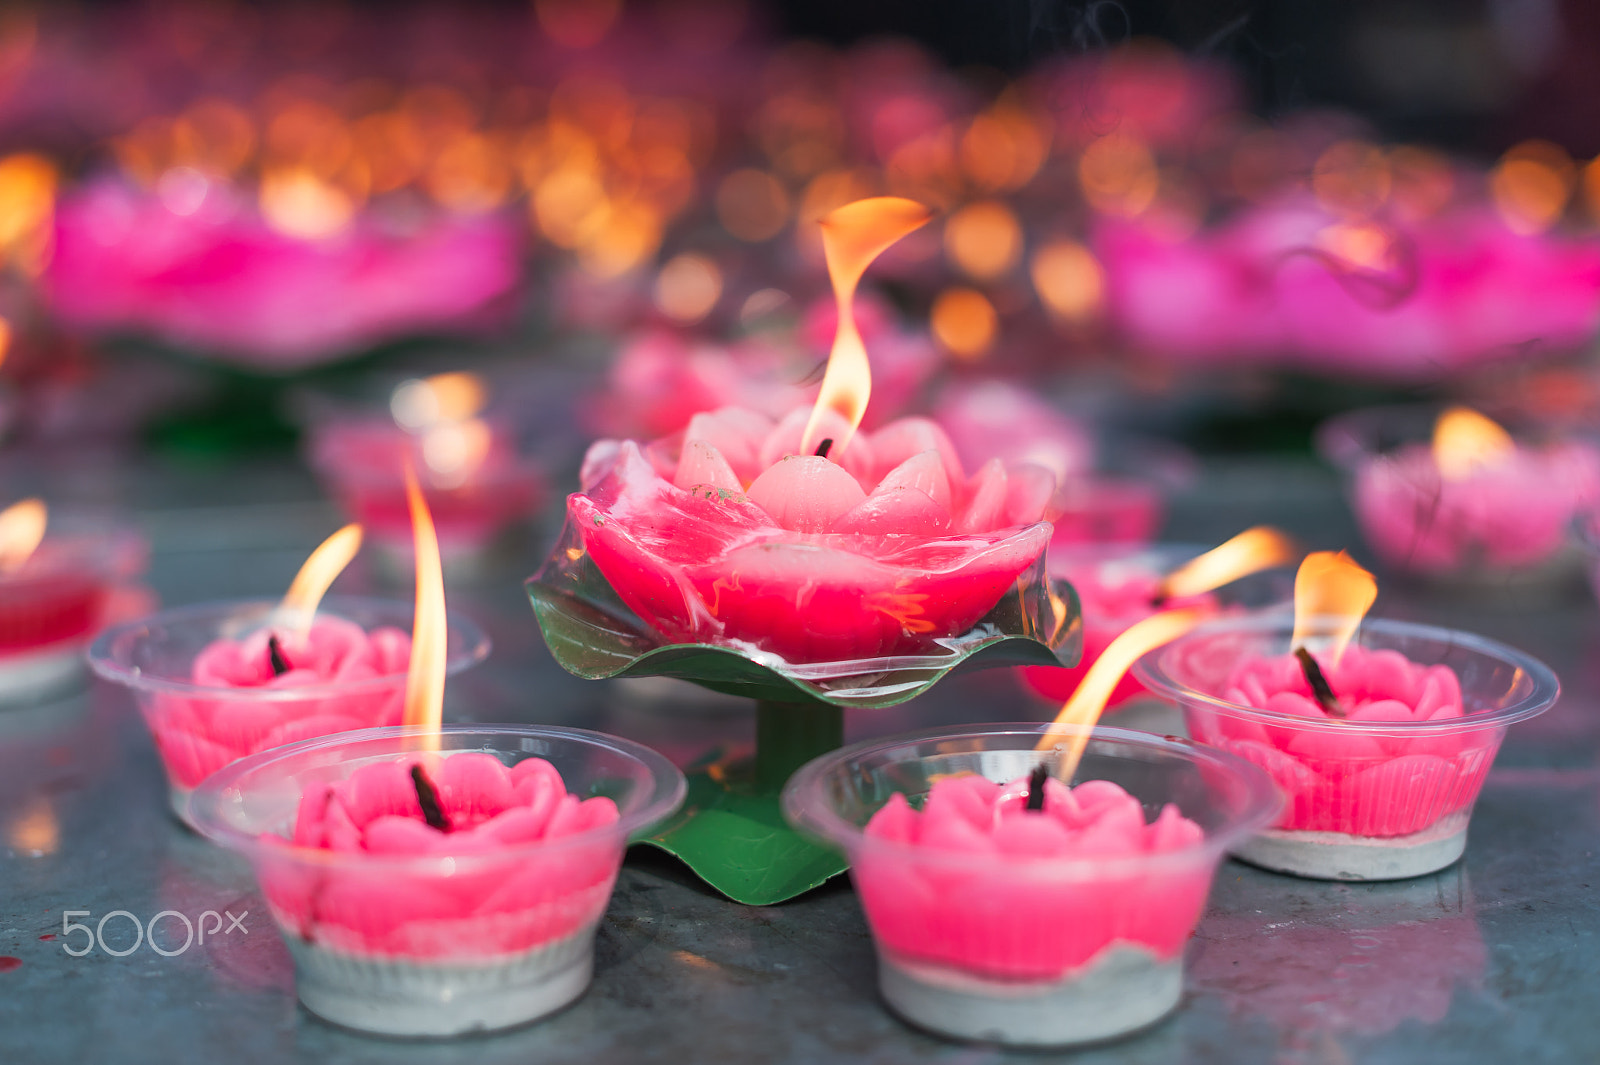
pixel 1007 906
pixel 1119 585
pixel 1473 504
pixel 806 539
pixel 219 681
pixel 57 583
pixel 1381 744
pixel 474 480
pixel 439 891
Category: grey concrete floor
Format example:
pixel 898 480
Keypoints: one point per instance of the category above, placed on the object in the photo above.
pixel 1490 961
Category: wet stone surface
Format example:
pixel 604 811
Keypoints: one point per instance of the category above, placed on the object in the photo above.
pixel 1492 960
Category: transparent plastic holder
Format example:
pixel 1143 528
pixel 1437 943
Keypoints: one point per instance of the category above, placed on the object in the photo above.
pixel 199 728
pixel 1367 799
pixel 1022 949
pixel 437 945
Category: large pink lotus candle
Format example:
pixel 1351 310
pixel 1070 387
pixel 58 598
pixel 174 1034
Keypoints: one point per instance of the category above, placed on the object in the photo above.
pixel 58 584
pixel 475 481
pixel 1007 906
pixel 1381 745
pixel 1293 282
pixel 435 882
pixel 1119 586
pixel 1472 504
pixel 193 265
pixel 217 682
pixel 804 538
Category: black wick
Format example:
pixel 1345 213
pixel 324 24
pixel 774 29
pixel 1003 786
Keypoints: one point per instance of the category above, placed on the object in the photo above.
pixel 428 799
pixel 1036 780
pixel 280 664
pixel 1319 683
pixel 825 447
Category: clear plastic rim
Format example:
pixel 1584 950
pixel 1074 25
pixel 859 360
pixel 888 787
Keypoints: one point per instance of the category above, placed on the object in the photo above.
pixel 207 799
pixel 1545 687
pixel 806 808
pixel 103 660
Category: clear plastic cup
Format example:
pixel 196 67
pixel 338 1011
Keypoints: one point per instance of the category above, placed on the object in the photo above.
pixel 1025 949
pixel 199 728
pixel 1504 525
pixel 1367 799
pixel 437 944
pixel 52 604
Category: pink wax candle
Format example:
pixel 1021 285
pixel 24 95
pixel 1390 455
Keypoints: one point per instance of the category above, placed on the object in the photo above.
pixel 212 689
pixel 192 264
pixel 1472 504
pixel 59 582
pixel 726 534
pixel 1382 779
pixel 475 482
pixel 439 891
pixel 1025 911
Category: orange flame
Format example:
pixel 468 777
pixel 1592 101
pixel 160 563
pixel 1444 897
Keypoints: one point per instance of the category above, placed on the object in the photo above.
pixel 1465 442
pixel 322 567
pixel 1331 596
pixel 1087 703
pixel 21 530
pixel 425 677
pixel 852 237
pixel 1250 552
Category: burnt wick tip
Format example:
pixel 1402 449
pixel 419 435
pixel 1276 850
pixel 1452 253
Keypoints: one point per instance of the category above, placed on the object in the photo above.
pixel 280 664
pixel 428 799
pixel 1036 779
pixel 1319 683
pixel 825 447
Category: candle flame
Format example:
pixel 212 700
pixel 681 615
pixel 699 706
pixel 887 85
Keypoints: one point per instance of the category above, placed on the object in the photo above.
pixel 1087 703
pixel 421 404
pixel 1465 442
pixel 21 531
pixel 425 677
pixel 322 567
pixel 1331 596
pixel 852 237
pixel 1250 552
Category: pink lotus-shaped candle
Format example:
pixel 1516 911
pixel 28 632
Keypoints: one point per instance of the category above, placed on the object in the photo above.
pixel 1291 282
pixel 1473 504
pixel 1381 746
pixel 806 539
pixel 1121 585
pixel 194 265
pixel 728 535
pixel 439 882
pixel 221 681
pixel 1005 905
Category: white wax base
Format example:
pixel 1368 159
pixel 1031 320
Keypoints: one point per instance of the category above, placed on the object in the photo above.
pixel 1338 856
pixel 31 677
pixel 1124 989
pixel 413 998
